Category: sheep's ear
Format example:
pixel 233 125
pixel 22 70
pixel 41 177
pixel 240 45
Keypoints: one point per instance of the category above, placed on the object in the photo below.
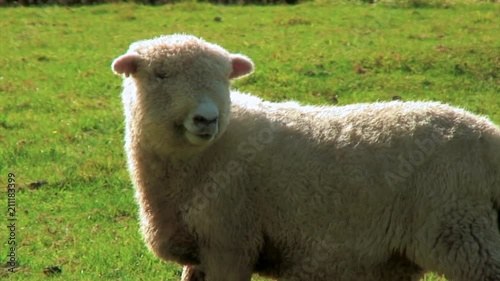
pixel 242 66
pixel 126 64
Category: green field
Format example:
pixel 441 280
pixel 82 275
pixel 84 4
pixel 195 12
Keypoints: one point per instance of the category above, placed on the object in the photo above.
pixel 61 118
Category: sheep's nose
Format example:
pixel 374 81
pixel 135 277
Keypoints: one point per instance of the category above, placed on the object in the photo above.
pixel 200 120
pixel 203 120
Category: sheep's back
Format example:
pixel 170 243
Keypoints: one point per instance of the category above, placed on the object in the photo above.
pixel 341 174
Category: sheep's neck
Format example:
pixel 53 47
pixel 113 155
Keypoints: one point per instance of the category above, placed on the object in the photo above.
pixel 168 170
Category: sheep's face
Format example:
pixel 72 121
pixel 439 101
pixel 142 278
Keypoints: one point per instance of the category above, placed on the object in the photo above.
pixel 181 99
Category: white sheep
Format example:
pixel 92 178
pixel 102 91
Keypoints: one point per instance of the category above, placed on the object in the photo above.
pixel 231 185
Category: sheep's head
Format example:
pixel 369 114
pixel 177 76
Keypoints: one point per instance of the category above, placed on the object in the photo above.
pixel 181 89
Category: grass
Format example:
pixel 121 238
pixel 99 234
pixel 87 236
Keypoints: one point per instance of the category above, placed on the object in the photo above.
pixel 61 118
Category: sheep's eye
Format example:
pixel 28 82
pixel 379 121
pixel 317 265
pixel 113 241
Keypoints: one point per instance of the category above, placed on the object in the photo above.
pixel 161 75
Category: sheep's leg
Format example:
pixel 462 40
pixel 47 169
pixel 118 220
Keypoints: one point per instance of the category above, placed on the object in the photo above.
pixel 465 244
pixel 192 273
pixel 221 266
pixel 399 268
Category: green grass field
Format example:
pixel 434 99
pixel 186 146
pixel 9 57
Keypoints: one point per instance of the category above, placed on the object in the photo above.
pixel 61 117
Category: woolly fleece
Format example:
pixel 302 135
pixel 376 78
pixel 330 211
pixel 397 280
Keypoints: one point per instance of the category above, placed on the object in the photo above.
pixel 373 192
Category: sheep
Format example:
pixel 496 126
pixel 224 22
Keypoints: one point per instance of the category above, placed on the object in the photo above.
pixel 229 184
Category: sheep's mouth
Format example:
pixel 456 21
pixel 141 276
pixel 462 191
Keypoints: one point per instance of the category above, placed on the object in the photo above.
pixel 197 138
pixel 205 136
